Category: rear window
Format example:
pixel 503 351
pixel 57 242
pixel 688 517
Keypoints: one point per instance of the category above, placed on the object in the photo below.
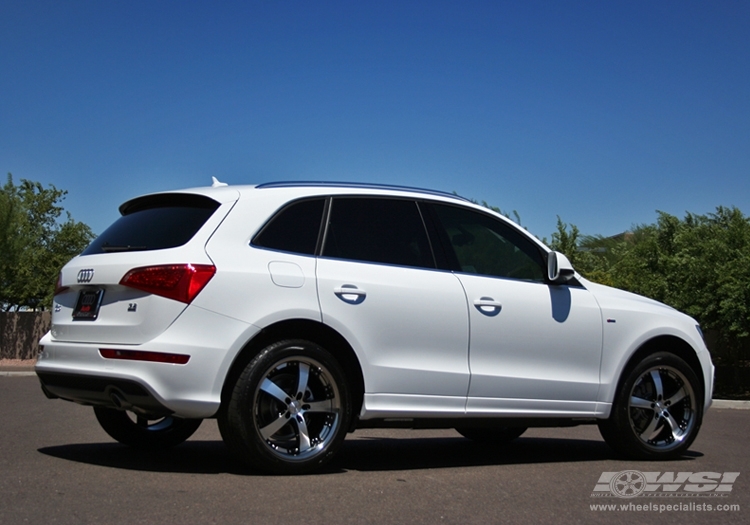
pixel 155 222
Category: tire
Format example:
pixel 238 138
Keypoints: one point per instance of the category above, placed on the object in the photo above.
pixel 137 431
pixel 658 410
pixel 491 435
pixel 289 411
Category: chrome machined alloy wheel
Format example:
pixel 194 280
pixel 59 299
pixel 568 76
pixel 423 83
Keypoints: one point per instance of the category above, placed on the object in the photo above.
pixel 662 408
pixel 290 409
pixel 657 411
pixel 296 408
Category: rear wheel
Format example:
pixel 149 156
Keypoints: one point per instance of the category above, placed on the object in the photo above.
pixel 290 409
pixel 491 435
pixel 657 411
pixel 143 432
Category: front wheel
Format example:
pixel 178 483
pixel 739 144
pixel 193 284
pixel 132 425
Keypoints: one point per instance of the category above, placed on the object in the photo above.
pixel 657 411
pixel 142 432
pixel 290 409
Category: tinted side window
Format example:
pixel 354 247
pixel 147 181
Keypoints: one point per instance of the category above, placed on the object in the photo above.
pixel 155 222
pixel 294 229
pixel 377 230
pixel 487 246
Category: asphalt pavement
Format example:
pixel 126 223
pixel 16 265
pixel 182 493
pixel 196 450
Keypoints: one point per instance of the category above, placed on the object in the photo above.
pixel 58 466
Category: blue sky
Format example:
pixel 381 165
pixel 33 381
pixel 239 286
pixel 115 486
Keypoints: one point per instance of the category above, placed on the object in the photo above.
pixel 599 112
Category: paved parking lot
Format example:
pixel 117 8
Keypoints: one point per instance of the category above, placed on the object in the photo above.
pixel 59 467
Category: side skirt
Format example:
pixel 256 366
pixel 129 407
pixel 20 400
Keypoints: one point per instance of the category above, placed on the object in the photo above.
pixel 433 423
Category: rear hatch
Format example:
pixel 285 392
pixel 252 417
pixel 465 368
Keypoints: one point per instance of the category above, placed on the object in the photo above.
pixel 138 276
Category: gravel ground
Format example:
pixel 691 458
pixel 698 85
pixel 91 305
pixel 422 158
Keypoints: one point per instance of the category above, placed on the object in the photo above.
pixel 16 365
pixel 17 362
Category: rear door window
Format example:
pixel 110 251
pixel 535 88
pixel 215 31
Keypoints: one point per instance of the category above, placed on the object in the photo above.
pixel 378 230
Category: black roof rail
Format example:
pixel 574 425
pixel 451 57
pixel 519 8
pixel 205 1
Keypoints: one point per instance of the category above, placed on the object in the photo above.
pixel 359 185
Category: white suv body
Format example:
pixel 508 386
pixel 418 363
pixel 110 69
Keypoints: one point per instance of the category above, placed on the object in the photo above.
pixel 425 307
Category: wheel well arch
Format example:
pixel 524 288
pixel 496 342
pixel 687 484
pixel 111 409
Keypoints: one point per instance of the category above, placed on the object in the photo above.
pixel 313 331
pixel 664 343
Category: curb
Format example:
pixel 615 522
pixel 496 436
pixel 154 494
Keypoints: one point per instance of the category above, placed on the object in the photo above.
pixel 16 374
pixel 731 404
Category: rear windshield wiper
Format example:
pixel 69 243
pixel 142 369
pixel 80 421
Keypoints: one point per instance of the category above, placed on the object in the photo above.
pixel 107 248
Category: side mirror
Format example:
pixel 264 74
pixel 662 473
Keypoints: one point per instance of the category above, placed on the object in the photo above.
pixel 559 269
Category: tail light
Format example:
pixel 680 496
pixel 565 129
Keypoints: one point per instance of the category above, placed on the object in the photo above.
pixel 181 282
pixel 59 288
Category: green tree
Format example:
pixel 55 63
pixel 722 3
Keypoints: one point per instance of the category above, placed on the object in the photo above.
pixel 699 265
pixel 37 239
pixel 590 255
pixel 566 242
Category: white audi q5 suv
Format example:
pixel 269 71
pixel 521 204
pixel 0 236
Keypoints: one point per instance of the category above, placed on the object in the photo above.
pixel 297 312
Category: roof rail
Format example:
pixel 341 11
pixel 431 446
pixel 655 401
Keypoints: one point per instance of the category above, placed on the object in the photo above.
pixel 359 185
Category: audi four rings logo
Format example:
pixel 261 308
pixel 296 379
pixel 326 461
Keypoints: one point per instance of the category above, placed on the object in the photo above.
pixel 85 276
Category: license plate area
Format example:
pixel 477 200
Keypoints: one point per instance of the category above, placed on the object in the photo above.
pixel 87 307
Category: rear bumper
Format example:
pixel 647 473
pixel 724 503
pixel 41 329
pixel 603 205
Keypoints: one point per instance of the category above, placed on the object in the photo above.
pixel 107 392
pixel 77 371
